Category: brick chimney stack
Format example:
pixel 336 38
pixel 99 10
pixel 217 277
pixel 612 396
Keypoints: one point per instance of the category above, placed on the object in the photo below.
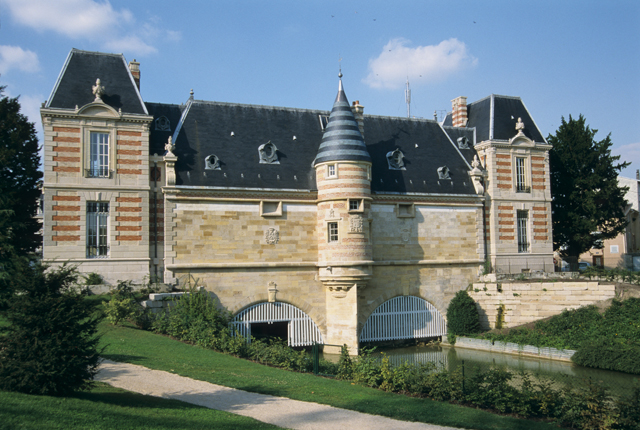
pixel 358 113
pixel 134 68
pixel 459 111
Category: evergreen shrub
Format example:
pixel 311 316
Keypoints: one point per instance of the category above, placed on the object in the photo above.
pixel 462 315
pixel 609 354
pixel 50 345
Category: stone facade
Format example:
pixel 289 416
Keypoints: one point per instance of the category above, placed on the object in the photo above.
pixel 264 205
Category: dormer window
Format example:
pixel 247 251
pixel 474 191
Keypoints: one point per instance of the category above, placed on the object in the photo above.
pixel 268 153
pixel 163 124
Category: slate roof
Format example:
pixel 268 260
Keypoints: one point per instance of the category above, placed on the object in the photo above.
pixel 158 136
pixel 79 74
pixel 495 117
pixel 207 130
pixel 342 139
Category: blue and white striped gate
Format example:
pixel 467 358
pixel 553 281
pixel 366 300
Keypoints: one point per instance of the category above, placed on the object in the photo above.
pixel 302 331
pixel 404 317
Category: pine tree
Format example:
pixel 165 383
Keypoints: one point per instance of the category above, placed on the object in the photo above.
pixel 19 184
pixel 50 344
pixel 587 202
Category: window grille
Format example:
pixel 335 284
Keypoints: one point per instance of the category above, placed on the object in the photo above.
pixel 333 231
pixel 97 229
pixel 523 221
pixel 521 176
pixel 99 155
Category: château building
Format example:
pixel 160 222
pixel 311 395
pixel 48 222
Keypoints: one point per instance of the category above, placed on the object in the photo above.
pixel 329 226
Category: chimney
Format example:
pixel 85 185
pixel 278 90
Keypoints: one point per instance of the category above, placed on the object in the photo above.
pixel 358 113
pixel 459 111
pixel 134 68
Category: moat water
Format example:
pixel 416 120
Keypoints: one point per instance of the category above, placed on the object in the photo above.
pixel 558 373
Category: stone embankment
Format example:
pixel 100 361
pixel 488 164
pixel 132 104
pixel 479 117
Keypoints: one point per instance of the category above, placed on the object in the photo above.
pixel 510 304
pixel 514 349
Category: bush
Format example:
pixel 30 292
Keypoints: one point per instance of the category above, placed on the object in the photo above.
pixel 50 344
pixel 609 354
pixel 123 304
pixel 93 279
pixel 462 315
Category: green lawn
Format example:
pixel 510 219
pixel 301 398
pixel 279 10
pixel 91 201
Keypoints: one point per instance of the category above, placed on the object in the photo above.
pixel 159 352
pixel 110 408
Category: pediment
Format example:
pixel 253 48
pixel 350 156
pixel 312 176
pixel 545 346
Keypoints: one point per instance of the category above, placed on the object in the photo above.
pixel 98 109
pixel 521 140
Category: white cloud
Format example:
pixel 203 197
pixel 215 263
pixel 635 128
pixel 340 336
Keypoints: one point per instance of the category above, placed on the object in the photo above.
pixel 422 64
pixel 14 57
pixel 129 44
pixel 92 20
pixel 73 18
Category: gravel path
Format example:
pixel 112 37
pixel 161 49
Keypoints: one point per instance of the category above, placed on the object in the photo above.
pixel 280 411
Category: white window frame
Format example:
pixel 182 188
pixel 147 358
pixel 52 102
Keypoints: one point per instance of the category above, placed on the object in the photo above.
pixel 359 203
pixel 332 232
pixel 97 229
pixel 332 170
pixel 521 175
pixel 522 229
pixel 99 154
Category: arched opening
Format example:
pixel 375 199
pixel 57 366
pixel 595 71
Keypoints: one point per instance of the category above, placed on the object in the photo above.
pixel 277 320
pixel 403 317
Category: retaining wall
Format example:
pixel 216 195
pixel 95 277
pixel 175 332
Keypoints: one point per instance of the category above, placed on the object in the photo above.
pixel 515 349
pixel 524 302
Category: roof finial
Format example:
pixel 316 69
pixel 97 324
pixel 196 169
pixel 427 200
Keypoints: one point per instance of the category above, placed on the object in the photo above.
pixel 340 67
pixel 191 94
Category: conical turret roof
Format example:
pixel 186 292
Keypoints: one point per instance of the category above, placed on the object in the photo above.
pixel 342 139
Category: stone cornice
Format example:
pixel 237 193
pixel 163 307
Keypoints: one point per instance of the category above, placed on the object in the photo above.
pixel 504 144
pixel 73 114
pixel 245 194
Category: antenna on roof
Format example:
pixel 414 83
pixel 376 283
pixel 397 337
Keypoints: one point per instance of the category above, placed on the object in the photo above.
pixel 407 98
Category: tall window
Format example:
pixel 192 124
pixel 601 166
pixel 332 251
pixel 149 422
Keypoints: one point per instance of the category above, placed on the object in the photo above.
pixel 333 231
pixel 99 155
pixel 521 176
pixel 97 229
pixel 331 171
pixel 523 221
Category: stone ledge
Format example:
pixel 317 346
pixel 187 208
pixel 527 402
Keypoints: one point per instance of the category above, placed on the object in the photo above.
pixel 515 349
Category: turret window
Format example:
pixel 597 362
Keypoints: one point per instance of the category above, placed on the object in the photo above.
pixel 356 205
pixel 332 172
pixel 332 230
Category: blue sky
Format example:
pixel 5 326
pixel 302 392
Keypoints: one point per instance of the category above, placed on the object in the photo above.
pixel 561 57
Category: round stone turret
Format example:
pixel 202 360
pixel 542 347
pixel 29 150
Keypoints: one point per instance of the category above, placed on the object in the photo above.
pixel 343 175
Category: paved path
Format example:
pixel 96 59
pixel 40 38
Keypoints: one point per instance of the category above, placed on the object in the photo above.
pixel 280 411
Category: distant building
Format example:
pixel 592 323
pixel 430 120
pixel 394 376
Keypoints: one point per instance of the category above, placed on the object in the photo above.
pixel 622 251
pixel 319 225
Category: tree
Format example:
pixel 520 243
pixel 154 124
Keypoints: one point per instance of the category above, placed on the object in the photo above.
pixel 587 203
pixel 19 182
pixel 462 315
pixel 50 344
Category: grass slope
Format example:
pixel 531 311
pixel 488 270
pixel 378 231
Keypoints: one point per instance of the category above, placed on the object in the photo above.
pixel 107 408
pixel 158 352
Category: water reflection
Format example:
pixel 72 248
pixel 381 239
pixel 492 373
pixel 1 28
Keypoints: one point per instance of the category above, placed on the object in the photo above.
pixel 559 374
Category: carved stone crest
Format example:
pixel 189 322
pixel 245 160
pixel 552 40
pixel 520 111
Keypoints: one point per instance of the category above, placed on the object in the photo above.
pixel 332 213
pixel 271 236
pixel 356 224
pixel 396 160
pixel 268 153
pixel 405 234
